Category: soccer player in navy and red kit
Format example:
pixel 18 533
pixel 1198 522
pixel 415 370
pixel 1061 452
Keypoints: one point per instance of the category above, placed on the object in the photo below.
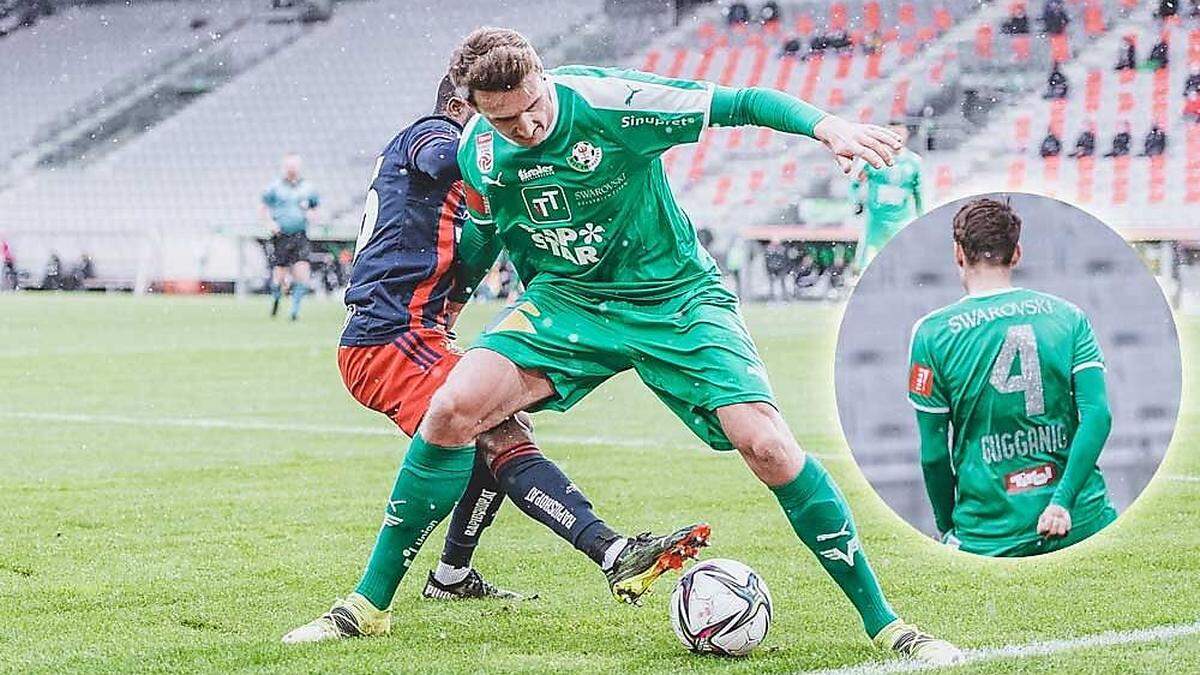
pixel 396 351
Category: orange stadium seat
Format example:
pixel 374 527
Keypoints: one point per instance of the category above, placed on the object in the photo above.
pixel 900 98
pixel 942 19
pixel 705 62
pixel 1194 47
pixel 837 16
pixel 754 185
pixel 873 63
pixel 983 42
pixel 871 16
pixel 836 98
pixel 1021 48
pixel 1084 179
pixel 1120 187
pixel 1158 179
pixel 651 62
pixel 722 191
pixel 1016 173
pixel 1091 91
pixel 1050 169
pixel 1093 18
pixel 1060 49
pixel 733 58
pixel 907 15
pixel 760 63
pixel 844 62
pixel 1192 170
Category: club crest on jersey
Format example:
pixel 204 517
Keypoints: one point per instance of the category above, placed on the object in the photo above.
pixel 920 380
pixel 485 157
pixel 585 157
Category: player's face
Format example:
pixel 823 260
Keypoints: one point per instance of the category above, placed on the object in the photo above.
pixel 521 114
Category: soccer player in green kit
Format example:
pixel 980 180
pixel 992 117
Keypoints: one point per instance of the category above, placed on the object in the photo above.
pixel 892 199
pixel 562 169
pixel 1008 386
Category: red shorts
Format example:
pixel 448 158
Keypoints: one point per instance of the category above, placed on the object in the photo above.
pixel 398 378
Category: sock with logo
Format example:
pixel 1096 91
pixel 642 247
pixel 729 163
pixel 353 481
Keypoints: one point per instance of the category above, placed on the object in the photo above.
pixel 431 479
pixel 540 489
pixel 474 513
pixel 821 518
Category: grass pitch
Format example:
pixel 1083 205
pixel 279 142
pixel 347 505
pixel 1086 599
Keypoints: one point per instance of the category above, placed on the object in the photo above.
pixel 183 480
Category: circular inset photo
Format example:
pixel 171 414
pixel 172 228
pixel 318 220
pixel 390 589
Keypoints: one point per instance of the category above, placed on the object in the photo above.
pixel 1008 374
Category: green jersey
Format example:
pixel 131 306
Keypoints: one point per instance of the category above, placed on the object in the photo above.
pixel 589 210
pixel 892 200
pixel 1001 365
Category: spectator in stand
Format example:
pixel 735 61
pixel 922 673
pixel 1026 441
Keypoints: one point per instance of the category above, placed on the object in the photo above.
pixel 769 12
pixel 1057 85
pixel 1156 142
pixel 53 279
pixel 1127 54
pixel 1167 9
pixel 9 279
pixel 1191 108
pixel 1055 17
pixel 1121 142
pixel 1159 54
pixel 791 47
pixel 1085 144
pixel 872 43
pixel 1017 23
pixel 1193 79
pixel 738 13
pixel 1195 9
pixel 1051 146
pixel 776 260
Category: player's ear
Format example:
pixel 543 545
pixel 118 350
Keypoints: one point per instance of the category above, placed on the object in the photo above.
pixel 1016 257
pixel 960 258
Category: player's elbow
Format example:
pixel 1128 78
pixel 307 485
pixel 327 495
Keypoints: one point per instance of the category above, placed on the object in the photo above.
pixel 1099 418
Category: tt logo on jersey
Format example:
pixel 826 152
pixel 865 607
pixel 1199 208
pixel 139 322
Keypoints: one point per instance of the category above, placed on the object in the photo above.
pixel 484 152
pixel 584 157
pixel 546 204
pixel 836 554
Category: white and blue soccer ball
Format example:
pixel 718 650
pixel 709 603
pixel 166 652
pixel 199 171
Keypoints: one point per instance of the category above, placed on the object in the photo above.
pixel 721 607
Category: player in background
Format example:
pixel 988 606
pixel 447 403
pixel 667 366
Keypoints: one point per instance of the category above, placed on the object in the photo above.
pixel 395 351
pixel 563 170
pixel 289 206
pixel 889 197
pixel 1017 379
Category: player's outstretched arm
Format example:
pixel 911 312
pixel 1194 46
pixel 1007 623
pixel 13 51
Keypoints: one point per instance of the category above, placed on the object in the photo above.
pixel 776 110
pixel 478 248
pixel 937 467
pixel 1095 422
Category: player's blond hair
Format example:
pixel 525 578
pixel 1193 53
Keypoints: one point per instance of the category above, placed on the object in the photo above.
pixel 492 59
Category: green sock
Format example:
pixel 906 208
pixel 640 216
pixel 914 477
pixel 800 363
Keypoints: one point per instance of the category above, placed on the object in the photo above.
pixel 821 518
pixel 431 480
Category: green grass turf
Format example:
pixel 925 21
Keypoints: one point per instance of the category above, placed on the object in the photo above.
pixel 131 541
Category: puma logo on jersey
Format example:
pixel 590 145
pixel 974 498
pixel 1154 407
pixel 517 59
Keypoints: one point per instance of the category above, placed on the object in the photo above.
pixel 632 92
pixel 497 181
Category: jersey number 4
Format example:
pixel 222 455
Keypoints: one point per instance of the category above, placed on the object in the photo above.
pixel 1019 340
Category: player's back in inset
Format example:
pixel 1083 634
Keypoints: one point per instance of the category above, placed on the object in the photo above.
pixel 1002 364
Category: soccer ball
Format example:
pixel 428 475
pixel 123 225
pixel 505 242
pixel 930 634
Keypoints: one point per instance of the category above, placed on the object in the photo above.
pixel 721 607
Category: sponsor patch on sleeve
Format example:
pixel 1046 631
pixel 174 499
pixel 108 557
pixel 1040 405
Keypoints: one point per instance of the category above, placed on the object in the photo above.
pixel 1030 479
pixel 920 380
pixel 477 202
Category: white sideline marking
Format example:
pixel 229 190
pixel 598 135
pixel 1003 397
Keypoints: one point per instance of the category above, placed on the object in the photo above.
pixel 1180 478
pixel 343 430
pixel 1107 639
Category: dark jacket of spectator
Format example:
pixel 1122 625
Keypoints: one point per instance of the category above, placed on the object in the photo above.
pixel 1159 55
pixel 1051 146
pixel 1127 55
pixel 768 12
pixel 1192 83
pixel 1016 24
pixel 1156 142
pixel 1085 144
pixel 1055 17
pixel 1167 8
pixel 1057 85
pixel 1120 143
pixel 738 13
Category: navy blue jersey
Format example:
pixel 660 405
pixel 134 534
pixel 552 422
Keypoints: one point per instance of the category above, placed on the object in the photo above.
pixel 403 262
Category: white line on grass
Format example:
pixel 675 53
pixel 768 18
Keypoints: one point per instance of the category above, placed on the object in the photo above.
pixel 341 430
pixel 1031 649
pixel 1180 478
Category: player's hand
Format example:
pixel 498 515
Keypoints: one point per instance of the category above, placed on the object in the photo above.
pixel 848 141
pixel 1055 521
pixel 453 309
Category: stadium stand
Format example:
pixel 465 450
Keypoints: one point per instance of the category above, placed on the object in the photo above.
pixel 168 202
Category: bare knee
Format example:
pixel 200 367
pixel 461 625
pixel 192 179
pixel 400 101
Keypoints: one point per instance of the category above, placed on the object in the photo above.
pixel 763 439
pixel 450 420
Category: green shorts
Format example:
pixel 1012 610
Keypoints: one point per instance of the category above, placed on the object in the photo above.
pixel 693 352
pixel 1079 532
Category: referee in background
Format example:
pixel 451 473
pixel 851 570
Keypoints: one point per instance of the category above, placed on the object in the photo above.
pixel 288 205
